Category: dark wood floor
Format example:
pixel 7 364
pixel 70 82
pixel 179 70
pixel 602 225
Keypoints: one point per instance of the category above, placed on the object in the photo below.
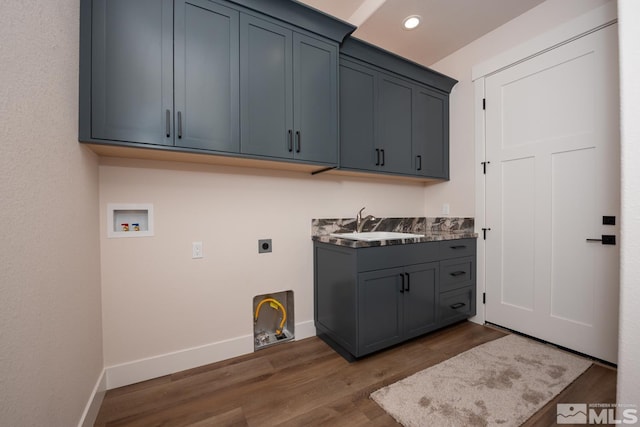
pixel 306 383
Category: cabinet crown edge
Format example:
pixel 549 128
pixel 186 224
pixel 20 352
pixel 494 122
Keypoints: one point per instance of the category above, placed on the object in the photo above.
pixel 302 16
pixel 358 49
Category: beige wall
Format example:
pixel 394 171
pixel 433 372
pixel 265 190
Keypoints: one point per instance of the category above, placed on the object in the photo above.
pixel 629 348
pixel 157 300
pixel 50 315
pixel 459 192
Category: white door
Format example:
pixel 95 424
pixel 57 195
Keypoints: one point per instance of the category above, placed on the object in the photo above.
pixel 552 140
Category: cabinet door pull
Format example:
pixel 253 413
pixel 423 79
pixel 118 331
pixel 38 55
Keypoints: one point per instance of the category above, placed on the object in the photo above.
pixel 377 157
pixel 179 124
pixel 382 151
pixel 458 273
pixel 298 141
pixel 168 123
pixel 419 158
pixel 290 141
pixel 408 288
pixel 457 247
pixel 402 284
pixel 457 305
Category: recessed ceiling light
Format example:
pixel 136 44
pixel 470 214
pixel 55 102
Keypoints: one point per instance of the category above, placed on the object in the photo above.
pixel 411 22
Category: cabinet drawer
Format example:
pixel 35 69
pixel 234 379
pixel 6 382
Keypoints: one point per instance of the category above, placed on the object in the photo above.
pixel 456 273
pixel 456 305
pixel 380 257
pixel 457 248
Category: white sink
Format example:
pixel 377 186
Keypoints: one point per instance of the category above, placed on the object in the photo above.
pixel 373 236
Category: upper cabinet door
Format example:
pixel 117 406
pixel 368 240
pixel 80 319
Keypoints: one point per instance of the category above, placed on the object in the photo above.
pixel 431 133
pixel 315 89
pixel 207 88
pixel 132 70
pixel 394 121
pixel 267 88
pixel 358 110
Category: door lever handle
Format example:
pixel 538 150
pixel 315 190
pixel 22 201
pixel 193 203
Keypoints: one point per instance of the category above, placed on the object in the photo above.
pixel 606 239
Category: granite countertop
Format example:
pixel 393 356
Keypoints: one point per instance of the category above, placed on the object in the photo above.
pixel 430 229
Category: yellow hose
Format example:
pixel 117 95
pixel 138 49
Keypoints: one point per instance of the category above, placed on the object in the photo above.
pixel 277 303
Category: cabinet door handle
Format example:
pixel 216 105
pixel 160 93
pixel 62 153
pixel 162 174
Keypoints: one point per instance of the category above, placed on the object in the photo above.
pixel 408 288
pixel 290 141
pixel 179 124
pixel 458 273
pixel 419 162
pixel 298 141
pixel 402 284
pixel 377 157
pixel 382 151
pixel 168 123
pixel 457 247
pixel 457 305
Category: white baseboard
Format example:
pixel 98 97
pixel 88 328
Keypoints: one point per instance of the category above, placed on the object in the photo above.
pixel 170 363
pixel 90 413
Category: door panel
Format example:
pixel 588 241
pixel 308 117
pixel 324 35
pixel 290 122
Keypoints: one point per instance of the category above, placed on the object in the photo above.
pixel 430 133
pixel 395 119
pixel 552 132
pixel 517 232
pixel 207 92
pixel 132 70
pixel 315 99
pixel 379 309
pixel 572 189
pixel 420 299
pixel 358 86
pixel 267 83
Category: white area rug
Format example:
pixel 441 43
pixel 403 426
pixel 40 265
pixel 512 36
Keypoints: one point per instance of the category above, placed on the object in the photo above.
pixel 499 383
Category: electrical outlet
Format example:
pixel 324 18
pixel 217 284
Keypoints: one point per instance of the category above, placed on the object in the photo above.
pixel 264 246
pixel 445 209
pixel 196 250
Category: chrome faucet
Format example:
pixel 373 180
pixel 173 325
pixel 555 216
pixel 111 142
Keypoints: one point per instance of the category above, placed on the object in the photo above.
pixel 360 221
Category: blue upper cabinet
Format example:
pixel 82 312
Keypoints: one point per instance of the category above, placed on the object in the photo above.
pixel 315 94
pixel 359 147
pixel 430 142
pixel 131 65
pixel 267 88
pixel 394 121
pixel 165 73
pixel 244 78
pixel 394 114
pixel 207 88
pixel 289 93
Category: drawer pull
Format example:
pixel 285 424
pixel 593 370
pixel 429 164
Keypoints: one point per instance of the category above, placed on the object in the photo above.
pixel 458 247
pixel 458 273
pixel 408 288
pixel 457 305
pixel 402 284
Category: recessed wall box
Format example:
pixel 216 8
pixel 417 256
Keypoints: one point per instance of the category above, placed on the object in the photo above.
pixel 129 220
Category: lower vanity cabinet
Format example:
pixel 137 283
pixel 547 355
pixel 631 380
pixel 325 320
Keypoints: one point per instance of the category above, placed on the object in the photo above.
pixel 395 304
pixel 367 299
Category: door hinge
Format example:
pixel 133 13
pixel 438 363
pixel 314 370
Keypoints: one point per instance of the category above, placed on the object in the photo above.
pixel 484 103
pixel 484 233
pixel 484 297
pixel 484 167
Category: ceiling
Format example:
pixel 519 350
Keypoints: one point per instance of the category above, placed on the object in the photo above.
pixel 447 25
